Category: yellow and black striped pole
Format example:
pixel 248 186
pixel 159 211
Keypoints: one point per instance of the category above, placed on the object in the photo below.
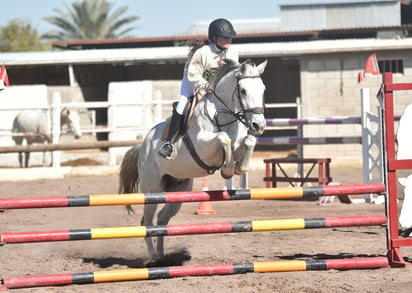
pixel 190 229
pixel 199 270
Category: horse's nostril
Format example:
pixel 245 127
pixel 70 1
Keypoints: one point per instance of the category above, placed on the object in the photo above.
pixel 255 126
pixel 77 136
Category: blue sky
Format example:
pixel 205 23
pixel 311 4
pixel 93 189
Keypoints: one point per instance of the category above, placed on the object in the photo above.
pixel 157 17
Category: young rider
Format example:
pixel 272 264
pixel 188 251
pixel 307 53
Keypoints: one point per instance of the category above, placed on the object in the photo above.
pixel 199 72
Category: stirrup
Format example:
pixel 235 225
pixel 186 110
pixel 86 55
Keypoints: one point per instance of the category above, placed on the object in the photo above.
pixel 166 150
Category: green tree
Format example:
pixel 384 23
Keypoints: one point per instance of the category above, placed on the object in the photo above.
pixel 90 20
pixel 20 36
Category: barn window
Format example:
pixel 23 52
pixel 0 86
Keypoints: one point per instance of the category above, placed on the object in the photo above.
pixel 394 66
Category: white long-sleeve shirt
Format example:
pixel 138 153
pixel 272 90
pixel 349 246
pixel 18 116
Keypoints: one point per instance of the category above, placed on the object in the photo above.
pixel 205 62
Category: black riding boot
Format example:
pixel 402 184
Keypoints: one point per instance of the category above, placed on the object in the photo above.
pixel 167 148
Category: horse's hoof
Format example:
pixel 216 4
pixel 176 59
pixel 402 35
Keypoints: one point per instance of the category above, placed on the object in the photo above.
pixel 152 263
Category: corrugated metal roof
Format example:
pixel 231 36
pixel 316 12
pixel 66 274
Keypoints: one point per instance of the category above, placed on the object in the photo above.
pixel 242 26
pixel 340 15
pixel 322 47
pixel 124 40
pixel 240 38
pixel 165 54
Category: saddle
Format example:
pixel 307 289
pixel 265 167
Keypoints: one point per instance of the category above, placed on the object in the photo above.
pixel 187 116
pixel 182 132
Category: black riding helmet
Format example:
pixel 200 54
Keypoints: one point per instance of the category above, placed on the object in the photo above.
pixel 221 27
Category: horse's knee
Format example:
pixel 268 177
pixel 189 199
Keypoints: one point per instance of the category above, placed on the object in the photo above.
pixel 240 171
pixel 227 171
pixel 250 142
pixel 226 176
pixel 243 165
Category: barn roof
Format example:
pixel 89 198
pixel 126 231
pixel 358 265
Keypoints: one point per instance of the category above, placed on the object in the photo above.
pixel 179 54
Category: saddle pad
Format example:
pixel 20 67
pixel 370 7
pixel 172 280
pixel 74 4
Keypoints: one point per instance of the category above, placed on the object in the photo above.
pixel 190 110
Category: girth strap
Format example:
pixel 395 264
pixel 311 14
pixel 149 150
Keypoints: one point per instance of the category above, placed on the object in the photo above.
pixel 188 143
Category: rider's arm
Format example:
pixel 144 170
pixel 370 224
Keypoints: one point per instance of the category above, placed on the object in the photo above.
pixel 197 67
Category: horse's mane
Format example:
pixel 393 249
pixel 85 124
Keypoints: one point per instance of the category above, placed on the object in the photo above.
pixel 228 65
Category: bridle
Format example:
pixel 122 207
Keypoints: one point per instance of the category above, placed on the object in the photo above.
pixel 239 116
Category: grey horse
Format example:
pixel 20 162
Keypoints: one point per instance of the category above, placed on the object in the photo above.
pixel 221 136
pixel 34 126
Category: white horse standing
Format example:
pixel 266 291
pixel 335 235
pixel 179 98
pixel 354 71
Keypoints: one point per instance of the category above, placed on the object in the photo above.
pixel 35 126
pixel 221 136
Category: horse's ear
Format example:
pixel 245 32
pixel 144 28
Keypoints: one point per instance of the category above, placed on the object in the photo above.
pixel 261 67
pixel 65 112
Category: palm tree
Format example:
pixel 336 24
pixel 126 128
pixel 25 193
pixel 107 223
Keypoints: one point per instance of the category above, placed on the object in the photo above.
pixel 89 20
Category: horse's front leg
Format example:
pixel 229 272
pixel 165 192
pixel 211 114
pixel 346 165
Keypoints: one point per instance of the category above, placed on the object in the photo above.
pixel 215 147
pixel 21 159
pixel 163 218
pixel 26 159
pixel 147 220
pixel 243 154
pixel 228 168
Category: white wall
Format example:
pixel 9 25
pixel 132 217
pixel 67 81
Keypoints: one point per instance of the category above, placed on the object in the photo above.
pixel 139 116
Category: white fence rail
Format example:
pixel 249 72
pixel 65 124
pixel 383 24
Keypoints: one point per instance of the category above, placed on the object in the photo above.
pixel 123 134
pixel 152 109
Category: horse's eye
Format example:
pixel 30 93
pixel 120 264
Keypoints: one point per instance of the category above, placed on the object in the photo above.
pixel 243 92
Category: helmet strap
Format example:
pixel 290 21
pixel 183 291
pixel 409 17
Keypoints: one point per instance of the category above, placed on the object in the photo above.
pixel 214 41
pixel 220 49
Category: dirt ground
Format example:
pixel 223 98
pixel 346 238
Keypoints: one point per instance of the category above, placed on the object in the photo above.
pixel 85 256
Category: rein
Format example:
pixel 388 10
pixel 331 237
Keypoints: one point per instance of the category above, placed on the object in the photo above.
pixel 239 116
pixel 189 144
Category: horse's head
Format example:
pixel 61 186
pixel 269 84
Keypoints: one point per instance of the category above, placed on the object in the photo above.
pixel 250 92
pixel 241 91
pixel 71 119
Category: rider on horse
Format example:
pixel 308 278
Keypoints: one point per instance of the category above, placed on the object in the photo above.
pixel 199 72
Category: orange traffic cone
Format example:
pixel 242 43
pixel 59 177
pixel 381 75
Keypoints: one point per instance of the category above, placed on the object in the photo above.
pixel 205 207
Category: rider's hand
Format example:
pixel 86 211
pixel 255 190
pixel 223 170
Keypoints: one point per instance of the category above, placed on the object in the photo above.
pixel 208 88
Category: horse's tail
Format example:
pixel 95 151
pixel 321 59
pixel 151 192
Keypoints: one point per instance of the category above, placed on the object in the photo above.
pixel 16 129
pixel 129 173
